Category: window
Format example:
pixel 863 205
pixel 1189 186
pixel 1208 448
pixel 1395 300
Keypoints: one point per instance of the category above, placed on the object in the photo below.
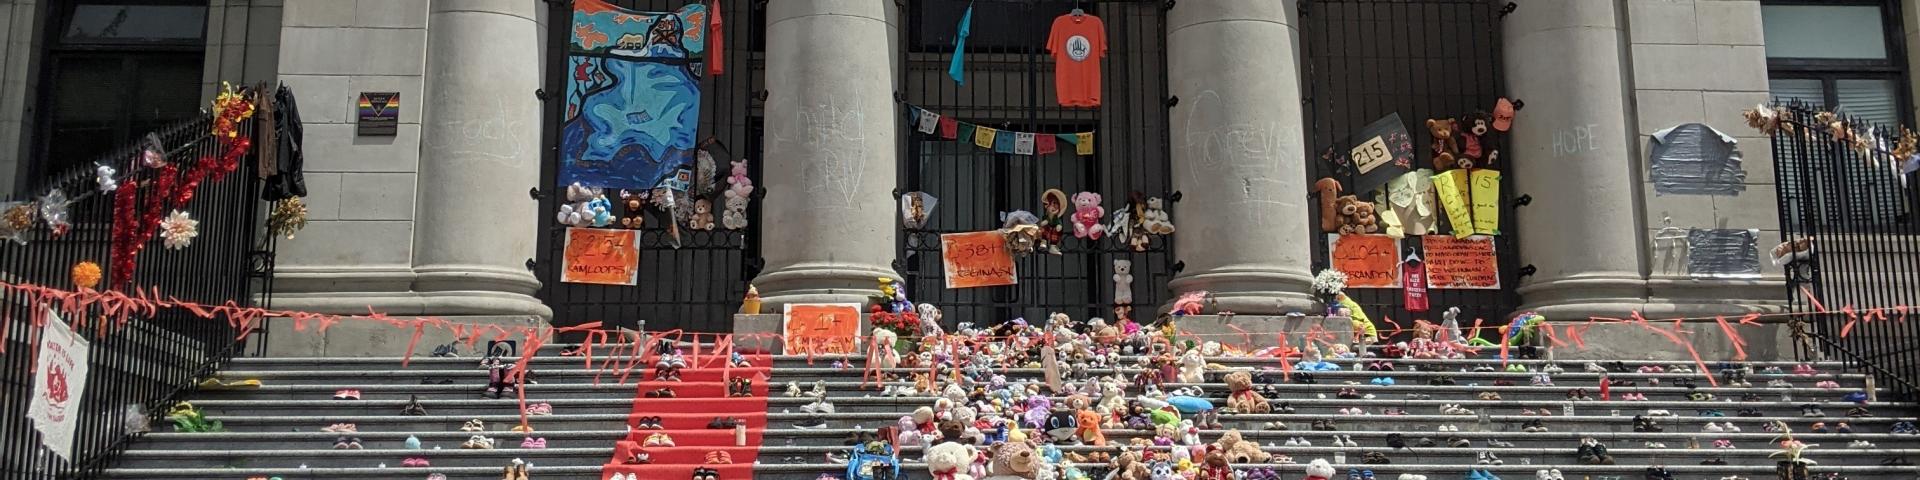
pixel 1846 56
pixel 115 70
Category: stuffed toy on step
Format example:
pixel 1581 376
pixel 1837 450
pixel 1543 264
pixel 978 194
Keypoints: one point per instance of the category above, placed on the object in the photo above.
pixel 950 461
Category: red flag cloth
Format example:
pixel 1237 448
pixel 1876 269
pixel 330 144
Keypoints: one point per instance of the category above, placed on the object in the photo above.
pixel 1044 144
pixel 716 48
pixel 949 128
pixel 1416 285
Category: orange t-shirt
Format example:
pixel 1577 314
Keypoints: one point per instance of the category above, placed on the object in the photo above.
pixel 1077 44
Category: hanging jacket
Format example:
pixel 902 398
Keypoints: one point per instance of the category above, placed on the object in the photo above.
pixel 288 178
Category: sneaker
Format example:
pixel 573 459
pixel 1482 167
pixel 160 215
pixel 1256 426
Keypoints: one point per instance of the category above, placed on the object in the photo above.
pixel 1457 442
pixel 821 406
pixel 1723 443
pixel 1595 368
pixel 477 442
pixel 1779 383
pixel 473 425
pixel 1905 428
pixel 1811 411
pixel 1552 368
pixel 811 423
pixel 1804 370
pixel 341 428
pixel 533 442
pixel 415 462
pixel 1713 427
pixel 1489 395
pixel 1827 384
pixel 1656 445
pixel 1860 444
pixel 540 409
pixel 346 394
pixel 1857 412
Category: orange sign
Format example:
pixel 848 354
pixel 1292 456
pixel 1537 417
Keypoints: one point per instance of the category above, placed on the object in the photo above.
pixel 1461 263
pixel 1370 261
pixel 603 256
pixel 977 259
pixel 821 328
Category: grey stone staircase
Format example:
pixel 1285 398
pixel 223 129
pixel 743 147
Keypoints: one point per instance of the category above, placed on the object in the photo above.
pixel 274 430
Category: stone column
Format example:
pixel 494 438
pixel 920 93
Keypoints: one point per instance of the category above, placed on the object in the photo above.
pixel 832 142
pixel 1575 152
pixel 474 227
pixel 1238 149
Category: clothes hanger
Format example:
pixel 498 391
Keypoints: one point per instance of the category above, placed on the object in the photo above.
pixel 1077 11
pixel 1673 236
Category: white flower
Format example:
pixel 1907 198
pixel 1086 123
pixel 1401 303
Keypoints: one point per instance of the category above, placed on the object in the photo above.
pixel 1330 281
pixel 178 230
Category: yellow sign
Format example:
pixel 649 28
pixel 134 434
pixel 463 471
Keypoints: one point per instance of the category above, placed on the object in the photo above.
pixel 1486 202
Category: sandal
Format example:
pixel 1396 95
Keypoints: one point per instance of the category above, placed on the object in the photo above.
pixel 540 409
pixel 658 440
pixel 346 394
pixel 719 457
pixel 415 462
pixel 474 425
pixel 413 406
pixel 477 442
pixel 341 428
pixel 534 443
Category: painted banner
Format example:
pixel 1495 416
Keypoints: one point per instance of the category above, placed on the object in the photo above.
pixel 1452 187
pixel 600 255
pixel 633 95
pixel 1461 263
pixel 1486 201
pixel 1370 261
pixel 825 328
pixel 977 259
pixel 60 380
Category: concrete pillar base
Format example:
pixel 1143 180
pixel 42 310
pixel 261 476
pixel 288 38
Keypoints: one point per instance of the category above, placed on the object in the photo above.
pixel 820 283
pixel 371 339
pixel 1253 290
pixel 1632 341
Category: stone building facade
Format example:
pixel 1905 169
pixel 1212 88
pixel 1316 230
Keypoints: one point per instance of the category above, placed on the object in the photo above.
pixel 432 221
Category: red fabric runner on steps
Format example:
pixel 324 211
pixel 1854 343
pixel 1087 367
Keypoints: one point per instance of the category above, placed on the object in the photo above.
pixel 699 397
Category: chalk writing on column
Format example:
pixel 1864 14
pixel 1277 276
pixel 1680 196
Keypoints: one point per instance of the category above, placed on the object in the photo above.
pixel 1574 141
pixel 1216 145
pixel 835 136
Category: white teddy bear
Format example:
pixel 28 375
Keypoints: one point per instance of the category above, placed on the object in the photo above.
pixel 950 461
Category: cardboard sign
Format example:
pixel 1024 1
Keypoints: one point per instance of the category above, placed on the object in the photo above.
pixel 828 328
pixel 1486 201
pixel 1370 261
pixel 59 382
pixel 379 114
pixel 599 255
pixel 977 259
pixel 1461 263
pixel 1382 150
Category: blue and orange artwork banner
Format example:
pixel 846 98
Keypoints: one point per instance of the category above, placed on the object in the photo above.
pixel 633 96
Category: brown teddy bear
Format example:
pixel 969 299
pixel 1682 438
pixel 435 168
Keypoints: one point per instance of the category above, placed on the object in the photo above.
pixel 1329 192
pixel 1237 450
pixel 702 218
pixel 1446 148
pixel 1014 459
pixel 1214 466
pixel 1129 466
pixel 1356 216
pixel 1243 399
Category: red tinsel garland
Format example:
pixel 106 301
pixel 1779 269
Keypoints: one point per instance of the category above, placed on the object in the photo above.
pixel 121 255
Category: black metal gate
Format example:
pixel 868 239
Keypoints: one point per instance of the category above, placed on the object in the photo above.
pixel 1856 206
pixel 1010 86
pixel 697 282
pixel 1366 59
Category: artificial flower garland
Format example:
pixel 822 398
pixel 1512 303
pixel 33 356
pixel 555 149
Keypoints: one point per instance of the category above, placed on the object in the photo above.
pixel 134 224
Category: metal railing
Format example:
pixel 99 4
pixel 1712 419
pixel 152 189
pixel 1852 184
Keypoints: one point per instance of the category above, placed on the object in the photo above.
pixel 136 370
pixel 1856 204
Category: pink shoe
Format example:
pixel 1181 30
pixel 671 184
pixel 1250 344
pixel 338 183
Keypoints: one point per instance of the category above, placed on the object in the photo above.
pixel 415 462
pixel 1804 369
pixel 1827 384
pixel 346 394
pixel 540 409
pixel 531 442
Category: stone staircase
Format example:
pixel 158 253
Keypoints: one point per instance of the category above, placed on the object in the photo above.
pixel 274 430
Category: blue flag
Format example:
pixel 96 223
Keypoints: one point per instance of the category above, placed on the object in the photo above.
pixel 957 69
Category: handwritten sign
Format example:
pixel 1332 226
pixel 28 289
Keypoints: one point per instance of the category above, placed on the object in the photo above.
pixel 1370 261
pixel 603 256
pixel 826 328
pixel 1452 187
pixel 1461 263
pixel 1486 201
pixel 977 259
pixel 1371 154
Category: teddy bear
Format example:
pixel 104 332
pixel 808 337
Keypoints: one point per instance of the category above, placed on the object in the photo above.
pixel 1193 368
pixel 950 461
pixel 1328 191
pixel 923 419
pixel 1013 459
pixel 1446 148
pixel 1474 145
pixel 738 181
pixel 1319 469
pixel 1129 466
pixel 1237 450
pixel 1214 466
pixel 702 218
pixel 635 203
pixel 1087 214
pixel 1163 470
pixel 1243 399
pixel 1356 217
pixel 735 215
pixel 1122 282
pixel 1155 220
pixel 881 351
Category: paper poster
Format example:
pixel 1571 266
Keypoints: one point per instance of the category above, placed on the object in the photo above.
pixel 59 382
pixel 1370 261
pixel 1381 151
pixel 1486 202
pixel 826 328
pixel 633 95
pixel 600 255
pixel 1452 187
pixel 977 259
pixel 1461 263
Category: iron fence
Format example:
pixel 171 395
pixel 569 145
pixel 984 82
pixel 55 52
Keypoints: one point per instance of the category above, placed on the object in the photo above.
pixel 1010 86
pixel 1856 207
pixel 139 369
pixel 696 282
pixel 1422 59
